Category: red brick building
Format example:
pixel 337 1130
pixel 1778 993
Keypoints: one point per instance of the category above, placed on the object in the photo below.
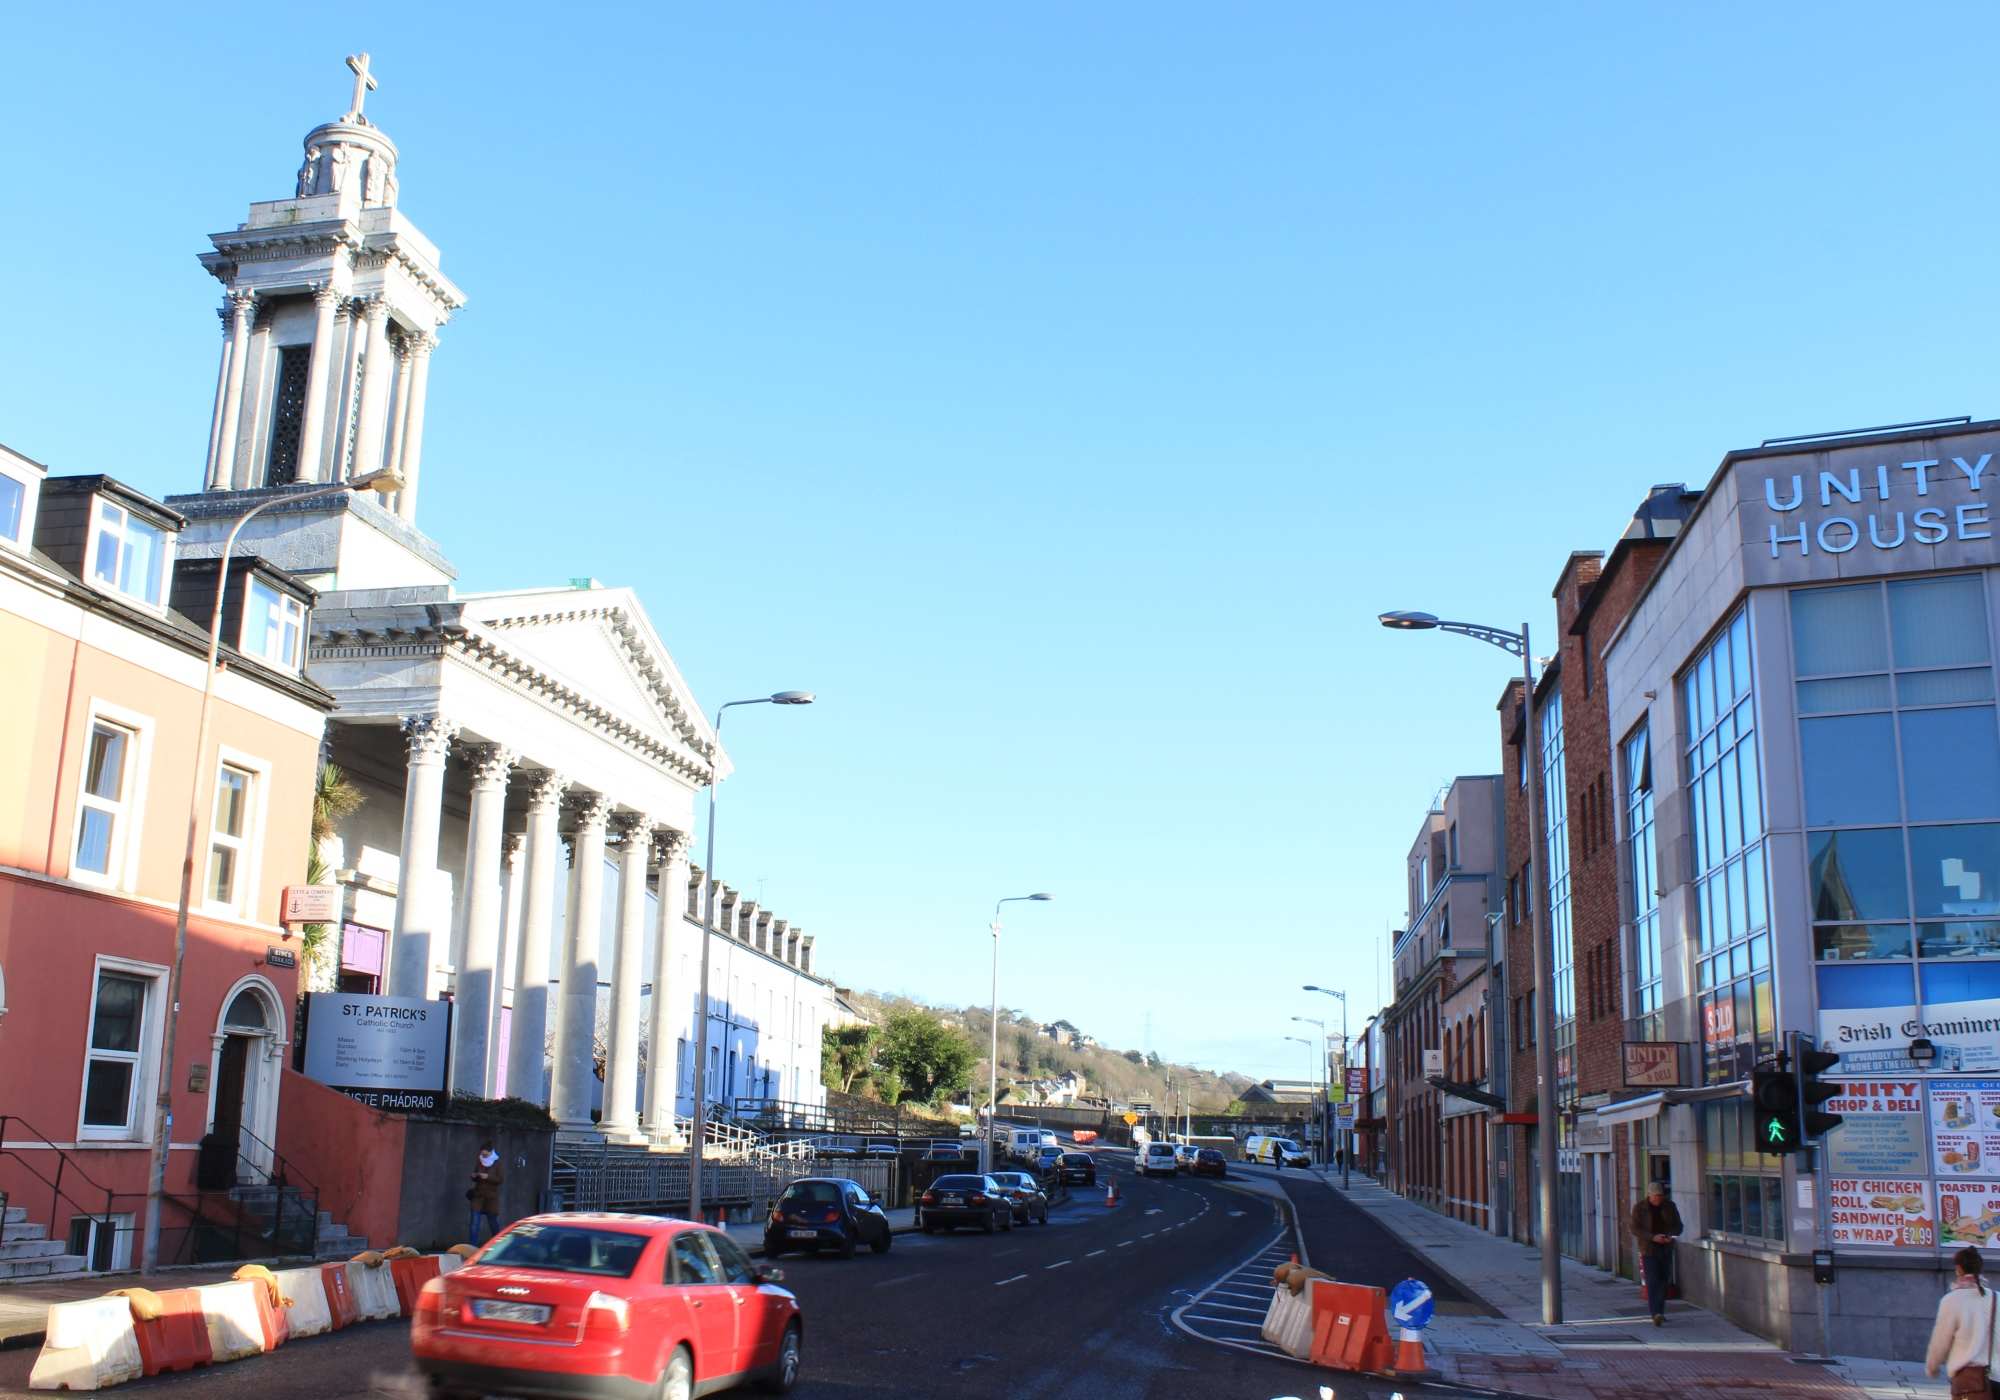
pixel 1596 998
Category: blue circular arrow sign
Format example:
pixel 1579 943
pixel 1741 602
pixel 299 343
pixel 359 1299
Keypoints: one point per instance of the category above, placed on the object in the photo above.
pixel 1410 1304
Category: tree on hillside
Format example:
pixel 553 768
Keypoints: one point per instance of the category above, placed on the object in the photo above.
pixel 847 1053
pixel 930 1059
pixel 1135 1057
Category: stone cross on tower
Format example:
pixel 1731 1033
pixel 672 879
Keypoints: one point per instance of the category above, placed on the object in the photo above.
pixel 364 83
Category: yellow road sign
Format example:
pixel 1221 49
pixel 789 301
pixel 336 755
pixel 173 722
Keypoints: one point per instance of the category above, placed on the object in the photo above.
pixel 1130 1119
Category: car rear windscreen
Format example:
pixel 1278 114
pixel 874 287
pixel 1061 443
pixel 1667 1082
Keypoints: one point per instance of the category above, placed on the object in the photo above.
pixel 568 1249
pixel 1077 1159
pixel 818 1193
pixel 959 1183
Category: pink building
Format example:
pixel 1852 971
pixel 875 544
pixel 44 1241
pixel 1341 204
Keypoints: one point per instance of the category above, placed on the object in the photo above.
pixel 105 637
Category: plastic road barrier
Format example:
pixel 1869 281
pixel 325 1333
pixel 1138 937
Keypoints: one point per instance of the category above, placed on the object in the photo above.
pixel 176 1340
pixel 310 1313
pixel 1350 1327
pixel 1288 1322
pixel 448 1262
pixel 339 1294
pixel 410 1275
pixel 89 1345
pixel 373 1289
pixel 235 1314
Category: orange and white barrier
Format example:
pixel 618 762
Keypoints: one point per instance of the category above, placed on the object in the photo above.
pixel 234 1313
pixel 1288 1322
pixel 90 1344
pixel 373 1288
pixel 1350 1326
pixel 307 1310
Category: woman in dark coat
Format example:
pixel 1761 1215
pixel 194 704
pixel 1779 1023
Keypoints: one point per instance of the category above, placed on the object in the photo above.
pixel 487 1177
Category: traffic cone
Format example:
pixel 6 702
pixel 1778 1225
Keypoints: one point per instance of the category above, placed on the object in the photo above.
pixel 1111 1193
pixel 1409 1352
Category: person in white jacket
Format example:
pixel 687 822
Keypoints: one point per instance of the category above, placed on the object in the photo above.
pixel 1963 1335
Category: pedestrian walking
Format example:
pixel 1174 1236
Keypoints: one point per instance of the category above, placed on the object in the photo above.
pixel 1962 1338
pixel 484 1194
pixel 1656 1223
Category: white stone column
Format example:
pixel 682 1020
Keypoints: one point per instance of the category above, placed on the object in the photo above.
pixel 375 372
pixel 477 956
pixel 242 309
pixel 412 455
pixel 319 377
pixel 527 1050
pixel 429 738
pixel 221 397
pixel 576 1021
pixel 510 954
pixel 353 333
pixel 399 405
pixel 621 1057
pixel 662 1068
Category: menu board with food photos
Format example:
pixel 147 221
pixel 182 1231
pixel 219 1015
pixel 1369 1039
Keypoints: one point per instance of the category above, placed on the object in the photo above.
pixel 1965 1127
pixel 1881 1212
pixel 1968 1213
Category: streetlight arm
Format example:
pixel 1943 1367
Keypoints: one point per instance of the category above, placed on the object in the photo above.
pixel 1513 643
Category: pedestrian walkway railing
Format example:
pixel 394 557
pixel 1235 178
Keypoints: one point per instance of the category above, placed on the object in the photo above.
pixel 65 1166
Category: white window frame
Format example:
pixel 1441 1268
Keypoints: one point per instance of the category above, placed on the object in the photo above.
pixel 121 1227
pixel 249 846
pixel 168 538
pixel 294 612
pixel 145 1064
pixel 129 824
pixel 31 496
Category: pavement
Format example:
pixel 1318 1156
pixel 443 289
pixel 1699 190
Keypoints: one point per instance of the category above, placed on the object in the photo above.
pixel 1078 1309
pixel 1487 1331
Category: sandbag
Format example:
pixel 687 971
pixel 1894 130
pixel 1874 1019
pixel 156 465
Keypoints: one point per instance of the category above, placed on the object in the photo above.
pixel 145 1303
pixel 260 1274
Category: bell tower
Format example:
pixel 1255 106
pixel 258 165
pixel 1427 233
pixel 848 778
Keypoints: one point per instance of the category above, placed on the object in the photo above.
pixel 332 305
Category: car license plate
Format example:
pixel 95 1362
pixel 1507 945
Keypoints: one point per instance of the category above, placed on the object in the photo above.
pixel 803 1234
pixel 954 1200
pixel 493 1310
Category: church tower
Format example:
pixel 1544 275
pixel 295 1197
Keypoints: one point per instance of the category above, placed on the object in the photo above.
pixel 332 305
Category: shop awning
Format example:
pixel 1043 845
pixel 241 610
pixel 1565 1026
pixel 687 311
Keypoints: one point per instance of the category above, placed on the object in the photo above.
pixel 1638 1110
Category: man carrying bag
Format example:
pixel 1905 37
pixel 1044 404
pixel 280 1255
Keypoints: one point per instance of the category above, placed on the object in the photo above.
pixel 1656 1223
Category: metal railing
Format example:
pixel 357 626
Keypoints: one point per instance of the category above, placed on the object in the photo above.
pixel 64 1165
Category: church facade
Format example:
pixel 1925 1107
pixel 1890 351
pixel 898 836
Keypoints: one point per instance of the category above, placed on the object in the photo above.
pixel 527 759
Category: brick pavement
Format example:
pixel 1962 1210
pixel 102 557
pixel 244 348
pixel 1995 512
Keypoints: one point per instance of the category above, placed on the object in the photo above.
pixel 1606 1349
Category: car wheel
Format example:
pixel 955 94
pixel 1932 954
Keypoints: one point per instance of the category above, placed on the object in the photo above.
pixel 1043 1219
pixel 881 1246
pixel 677 1380
pixel 785 1374
pixel 847 1245
pixel 1009 1226
pixel 989 1227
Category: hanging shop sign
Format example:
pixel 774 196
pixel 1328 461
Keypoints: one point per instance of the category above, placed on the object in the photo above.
pixel 1655 1064
pixel 1882 1132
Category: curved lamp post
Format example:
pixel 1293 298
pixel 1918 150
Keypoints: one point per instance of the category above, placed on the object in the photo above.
pixel 1347 1140
pixel 783 697
pixel 1516 644
pixel 384 482
pixel 993 1026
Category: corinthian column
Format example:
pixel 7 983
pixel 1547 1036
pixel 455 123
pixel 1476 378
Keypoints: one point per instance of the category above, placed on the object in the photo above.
pixel 510 952
pixel 319 375
pixel 527 1046
pixel 662 1072
pixel 477 954
pixel 375 372
pixel 621 1058
pixel 576 1024
pixel 429 738
pixel 400 404
pixel 412 455
pixel 242 308
pixel 221 397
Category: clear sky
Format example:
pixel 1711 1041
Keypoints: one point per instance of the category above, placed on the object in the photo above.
pixel 1058 391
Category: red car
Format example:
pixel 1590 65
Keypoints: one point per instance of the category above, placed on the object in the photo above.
pixel 606 1307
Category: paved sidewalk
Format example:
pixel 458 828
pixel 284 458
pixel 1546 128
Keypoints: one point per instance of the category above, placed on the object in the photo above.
pixel 1607 1347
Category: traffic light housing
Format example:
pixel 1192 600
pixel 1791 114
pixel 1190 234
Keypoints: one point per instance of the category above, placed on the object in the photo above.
pixel 1814 1091
pixel 1775 1092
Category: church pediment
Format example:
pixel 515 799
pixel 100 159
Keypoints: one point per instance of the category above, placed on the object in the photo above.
pixel 598 645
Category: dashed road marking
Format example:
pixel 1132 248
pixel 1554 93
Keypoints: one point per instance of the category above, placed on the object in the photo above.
pixel 1059 1264
pixel 904 1279
pixel 1126 1244
pixel 1005 1281
pixel 1093 1254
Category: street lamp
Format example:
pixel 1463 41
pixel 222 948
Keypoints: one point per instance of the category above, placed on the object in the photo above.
pixel 1325 1090
pixel 783 697
pixel 383 482
pixel 1516 644
pixel 993 1028
pixel 1346 1134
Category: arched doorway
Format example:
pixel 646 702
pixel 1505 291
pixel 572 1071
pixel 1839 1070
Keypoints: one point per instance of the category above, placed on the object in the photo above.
pixel 243 1077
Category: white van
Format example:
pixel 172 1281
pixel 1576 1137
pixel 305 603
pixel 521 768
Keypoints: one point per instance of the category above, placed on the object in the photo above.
pixel 1026 1142
pixel 1275 1151
pixel 1156 1159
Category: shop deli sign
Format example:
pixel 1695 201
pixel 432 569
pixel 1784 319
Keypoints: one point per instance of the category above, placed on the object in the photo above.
pixel 1885 506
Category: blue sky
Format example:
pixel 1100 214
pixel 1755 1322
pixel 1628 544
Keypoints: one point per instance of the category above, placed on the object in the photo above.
pixel 1058 394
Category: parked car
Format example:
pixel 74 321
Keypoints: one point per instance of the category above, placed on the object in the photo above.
pixel 603 1304
pixel 1048 1161
pixel 1273 1151
pixel 1184 1153
pixel 1156 1159
pixel 1030 1202
pixel 1079 1168
pixel 1209 1162
pixel 964 1199
pixel 817 1211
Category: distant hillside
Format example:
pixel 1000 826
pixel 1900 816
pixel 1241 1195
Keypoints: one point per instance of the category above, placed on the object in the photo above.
pixel 1026 1053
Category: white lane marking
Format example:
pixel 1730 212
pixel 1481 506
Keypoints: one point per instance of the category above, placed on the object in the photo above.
pixel 1154 1211
pixel 904 1279
pixel 1234 1213
pixel 1232 1307
pixel 1149 1234
pixel 1125 1244
pixel 1059 1264
pixel 1005 1281
pixel 1226 1321
pixel 1093 1254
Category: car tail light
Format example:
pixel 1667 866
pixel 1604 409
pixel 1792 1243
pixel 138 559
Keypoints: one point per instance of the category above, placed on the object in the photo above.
pixel 832 1214
pixel 979 1199
pixel 606 1312
pixel 430 1302
pixel 930 1198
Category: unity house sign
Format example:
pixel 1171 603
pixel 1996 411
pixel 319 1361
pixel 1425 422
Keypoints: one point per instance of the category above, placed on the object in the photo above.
pixel 1882 506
